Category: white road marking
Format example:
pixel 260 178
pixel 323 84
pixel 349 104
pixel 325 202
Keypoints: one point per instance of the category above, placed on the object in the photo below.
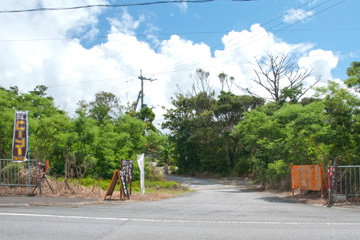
pixel 59 216
pixel 184 221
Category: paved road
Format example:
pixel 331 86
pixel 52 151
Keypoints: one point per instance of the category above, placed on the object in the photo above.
pixel 213 211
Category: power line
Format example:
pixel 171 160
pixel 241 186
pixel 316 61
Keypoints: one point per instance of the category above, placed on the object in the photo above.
pixel 113 5
pixel 193 59
pixel 105 37
pixel 181 33
pixel 261 37
pixel 186 67
pixel 243 17
pixel 94 81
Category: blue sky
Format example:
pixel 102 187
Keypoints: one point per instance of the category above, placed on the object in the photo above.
pixel 329 25
pixel 77 53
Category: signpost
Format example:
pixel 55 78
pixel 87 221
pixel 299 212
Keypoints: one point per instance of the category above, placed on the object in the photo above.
pixel 127 169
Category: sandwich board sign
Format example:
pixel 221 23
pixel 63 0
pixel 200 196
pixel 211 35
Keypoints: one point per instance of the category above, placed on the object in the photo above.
pixel 118 176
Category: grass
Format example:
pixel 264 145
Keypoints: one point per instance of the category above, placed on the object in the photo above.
pixel 162 184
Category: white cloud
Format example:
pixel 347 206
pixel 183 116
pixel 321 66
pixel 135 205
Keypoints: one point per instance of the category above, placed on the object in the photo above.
pixel 183 6
pixel 311 3
pixel 295 15
pixel 74 73
pixel 126 24
pixel 322 62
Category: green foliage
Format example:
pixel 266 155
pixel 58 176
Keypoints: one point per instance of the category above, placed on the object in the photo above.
pixel 105 107
pixel 225 134
pixel 147 115
pixel 201 131
pixel 90 144
pixel 234 135
pixel 354 76
pixel 278 170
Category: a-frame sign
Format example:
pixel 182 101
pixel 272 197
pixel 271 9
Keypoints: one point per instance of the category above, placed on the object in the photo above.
pixel 118 176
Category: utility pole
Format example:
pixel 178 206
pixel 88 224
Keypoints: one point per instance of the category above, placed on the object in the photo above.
pixel 141 93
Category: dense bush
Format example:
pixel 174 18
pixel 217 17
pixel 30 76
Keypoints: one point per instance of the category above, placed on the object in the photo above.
pixel 90 144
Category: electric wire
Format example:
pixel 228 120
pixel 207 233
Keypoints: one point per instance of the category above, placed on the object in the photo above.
pixel 190 60
pixel 183 69
pixel 184 66
pixel 92 81
pixel 181 33
pixel 113 5
pixel 212 47
pixel 258 39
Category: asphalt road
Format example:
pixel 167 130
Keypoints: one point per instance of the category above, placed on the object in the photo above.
pixel 213 211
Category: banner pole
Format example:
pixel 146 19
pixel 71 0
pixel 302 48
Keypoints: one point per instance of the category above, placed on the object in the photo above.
pixel 28 149
pixel 29 173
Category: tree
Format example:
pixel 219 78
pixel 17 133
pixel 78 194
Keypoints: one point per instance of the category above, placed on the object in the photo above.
pixel 105 107
pixel 226 81
pixel 201 83
pixel 281 77
pixel 147 115
pixel 354 76
pixel 342 108
pixel 166 151
pixel 290 134
pixel 201 127
pixel 40 90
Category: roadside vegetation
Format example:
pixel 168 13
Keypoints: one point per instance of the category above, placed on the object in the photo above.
pixel 232 135
pixel 156 188
pixel 223 135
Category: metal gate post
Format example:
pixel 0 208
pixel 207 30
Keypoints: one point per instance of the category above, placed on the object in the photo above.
pixel 39 183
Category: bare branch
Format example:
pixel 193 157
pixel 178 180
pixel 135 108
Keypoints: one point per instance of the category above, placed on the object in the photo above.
pixel 271 72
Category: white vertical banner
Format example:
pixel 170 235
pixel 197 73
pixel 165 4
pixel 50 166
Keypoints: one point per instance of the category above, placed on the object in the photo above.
pixel 141 163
